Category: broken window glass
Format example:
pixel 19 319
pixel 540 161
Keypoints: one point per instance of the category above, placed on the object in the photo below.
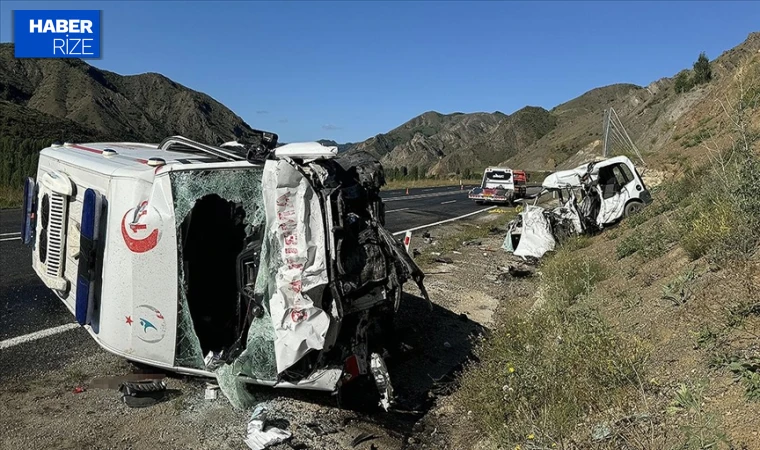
pixel 218 213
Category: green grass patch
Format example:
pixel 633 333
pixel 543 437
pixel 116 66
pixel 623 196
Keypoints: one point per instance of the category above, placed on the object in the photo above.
pixel 11 197
pixel 542 373
pixel 648 242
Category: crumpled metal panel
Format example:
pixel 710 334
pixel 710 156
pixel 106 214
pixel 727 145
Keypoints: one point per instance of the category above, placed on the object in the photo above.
pixel 537 237
pixel 295 228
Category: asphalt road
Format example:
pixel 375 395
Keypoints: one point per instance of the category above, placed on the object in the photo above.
pixel 27 306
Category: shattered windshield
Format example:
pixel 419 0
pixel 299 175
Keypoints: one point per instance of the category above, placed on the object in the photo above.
pixel 218 215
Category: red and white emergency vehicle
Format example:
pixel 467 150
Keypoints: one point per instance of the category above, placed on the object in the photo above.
pixel 262 262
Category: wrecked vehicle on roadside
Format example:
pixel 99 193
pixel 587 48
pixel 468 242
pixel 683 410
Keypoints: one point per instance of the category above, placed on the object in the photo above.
pixel 608 190
pixel 262 263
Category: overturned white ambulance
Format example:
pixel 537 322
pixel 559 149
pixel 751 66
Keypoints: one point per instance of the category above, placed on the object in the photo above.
pixel 262 263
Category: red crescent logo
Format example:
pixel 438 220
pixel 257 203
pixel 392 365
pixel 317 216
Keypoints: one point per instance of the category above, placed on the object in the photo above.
pixel 138 245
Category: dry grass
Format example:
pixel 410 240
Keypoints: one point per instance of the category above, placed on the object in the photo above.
pixel 542 372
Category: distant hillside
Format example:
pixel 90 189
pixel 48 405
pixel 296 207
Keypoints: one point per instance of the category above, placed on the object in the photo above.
pixel 146 107
pixel 665 125
pixel 42 100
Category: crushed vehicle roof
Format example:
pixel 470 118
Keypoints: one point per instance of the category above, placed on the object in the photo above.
pixel 571 178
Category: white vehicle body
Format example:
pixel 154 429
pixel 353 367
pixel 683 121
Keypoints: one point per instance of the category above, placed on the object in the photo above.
pixel 119 237
pixel 610 189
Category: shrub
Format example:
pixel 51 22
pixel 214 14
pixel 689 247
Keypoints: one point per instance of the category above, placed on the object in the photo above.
pixel 567 277
pixel 702 72
pixel 650 242
pixel 683 83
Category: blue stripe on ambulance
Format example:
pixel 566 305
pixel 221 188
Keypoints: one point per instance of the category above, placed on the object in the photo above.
pixel 88 254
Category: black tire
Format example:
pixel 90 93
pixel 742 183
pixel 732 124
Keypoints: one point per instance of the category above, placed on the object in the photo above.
pixel 633 208
pixel 478 202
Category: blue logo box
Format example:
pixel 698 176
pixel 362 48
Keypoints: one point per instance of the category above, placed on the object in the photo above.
pixel 57 33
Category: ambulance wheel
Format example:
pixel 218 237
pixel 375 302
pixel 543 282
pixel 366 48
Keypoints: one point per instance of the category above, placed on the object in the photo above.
pixel 633 208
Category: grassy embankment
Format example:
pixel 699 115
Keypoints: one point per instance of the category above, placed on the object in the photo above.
pixel 645 336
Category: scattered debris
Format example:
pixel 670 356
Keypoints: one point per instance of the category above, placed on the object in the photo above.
pixel 382 380
pixel 213 360
pixel 456 252
pixel 79 389
pixel 140 394
pixel 521 270
pixel 446 344
pixel 320 430
pixel 475 242
pixel 259 437
pixel 362 437
pixel 416 253
pixel 212 391
pixel 444 260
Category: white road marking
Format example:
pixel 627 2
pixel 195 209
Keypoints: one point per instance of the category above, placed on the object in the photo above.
pixel 11 239
pixel 450 201
pixel 412 197
pixel 18 233
pixel 8 343
pixel 445 221
pixel 396 210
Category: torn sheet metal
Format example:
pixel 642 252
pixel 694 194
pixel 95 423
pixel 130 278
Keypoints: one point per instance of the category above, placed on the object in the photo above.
pixel 382 380
pixel 258 436
pixel 612 208
pixel 565 179
pixel 300 324
pixel 537 237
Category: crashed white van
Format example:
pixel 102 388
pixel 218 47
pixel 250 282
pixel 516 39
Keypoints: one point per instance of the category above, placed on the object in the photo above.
pixel 609 190
pixel 262 262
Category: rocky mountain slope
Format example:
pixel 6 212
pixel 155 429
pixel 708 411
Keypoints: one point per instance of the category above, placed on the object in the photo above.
pixel 665 126
pixel 63 99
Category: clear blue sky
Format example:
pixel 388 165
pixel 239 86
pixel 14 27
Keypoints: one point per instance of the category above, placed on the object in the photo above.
pixel 349 70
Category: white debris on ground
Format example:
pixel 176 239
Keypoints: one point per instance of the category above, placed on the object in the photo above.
pixel 259 436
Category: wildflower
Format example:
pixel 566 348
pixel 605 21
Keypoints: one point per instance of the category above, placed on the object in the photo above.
pixel 511 369
pixel 554 445
pixel 531 436
pixel 517 447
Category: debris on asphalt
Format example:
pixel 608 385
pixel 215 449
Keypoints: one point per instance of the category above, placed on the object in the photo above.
pixel 362 437
pixel 446 344
pixel 259 437
pixel 140 394
pixel 79 389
